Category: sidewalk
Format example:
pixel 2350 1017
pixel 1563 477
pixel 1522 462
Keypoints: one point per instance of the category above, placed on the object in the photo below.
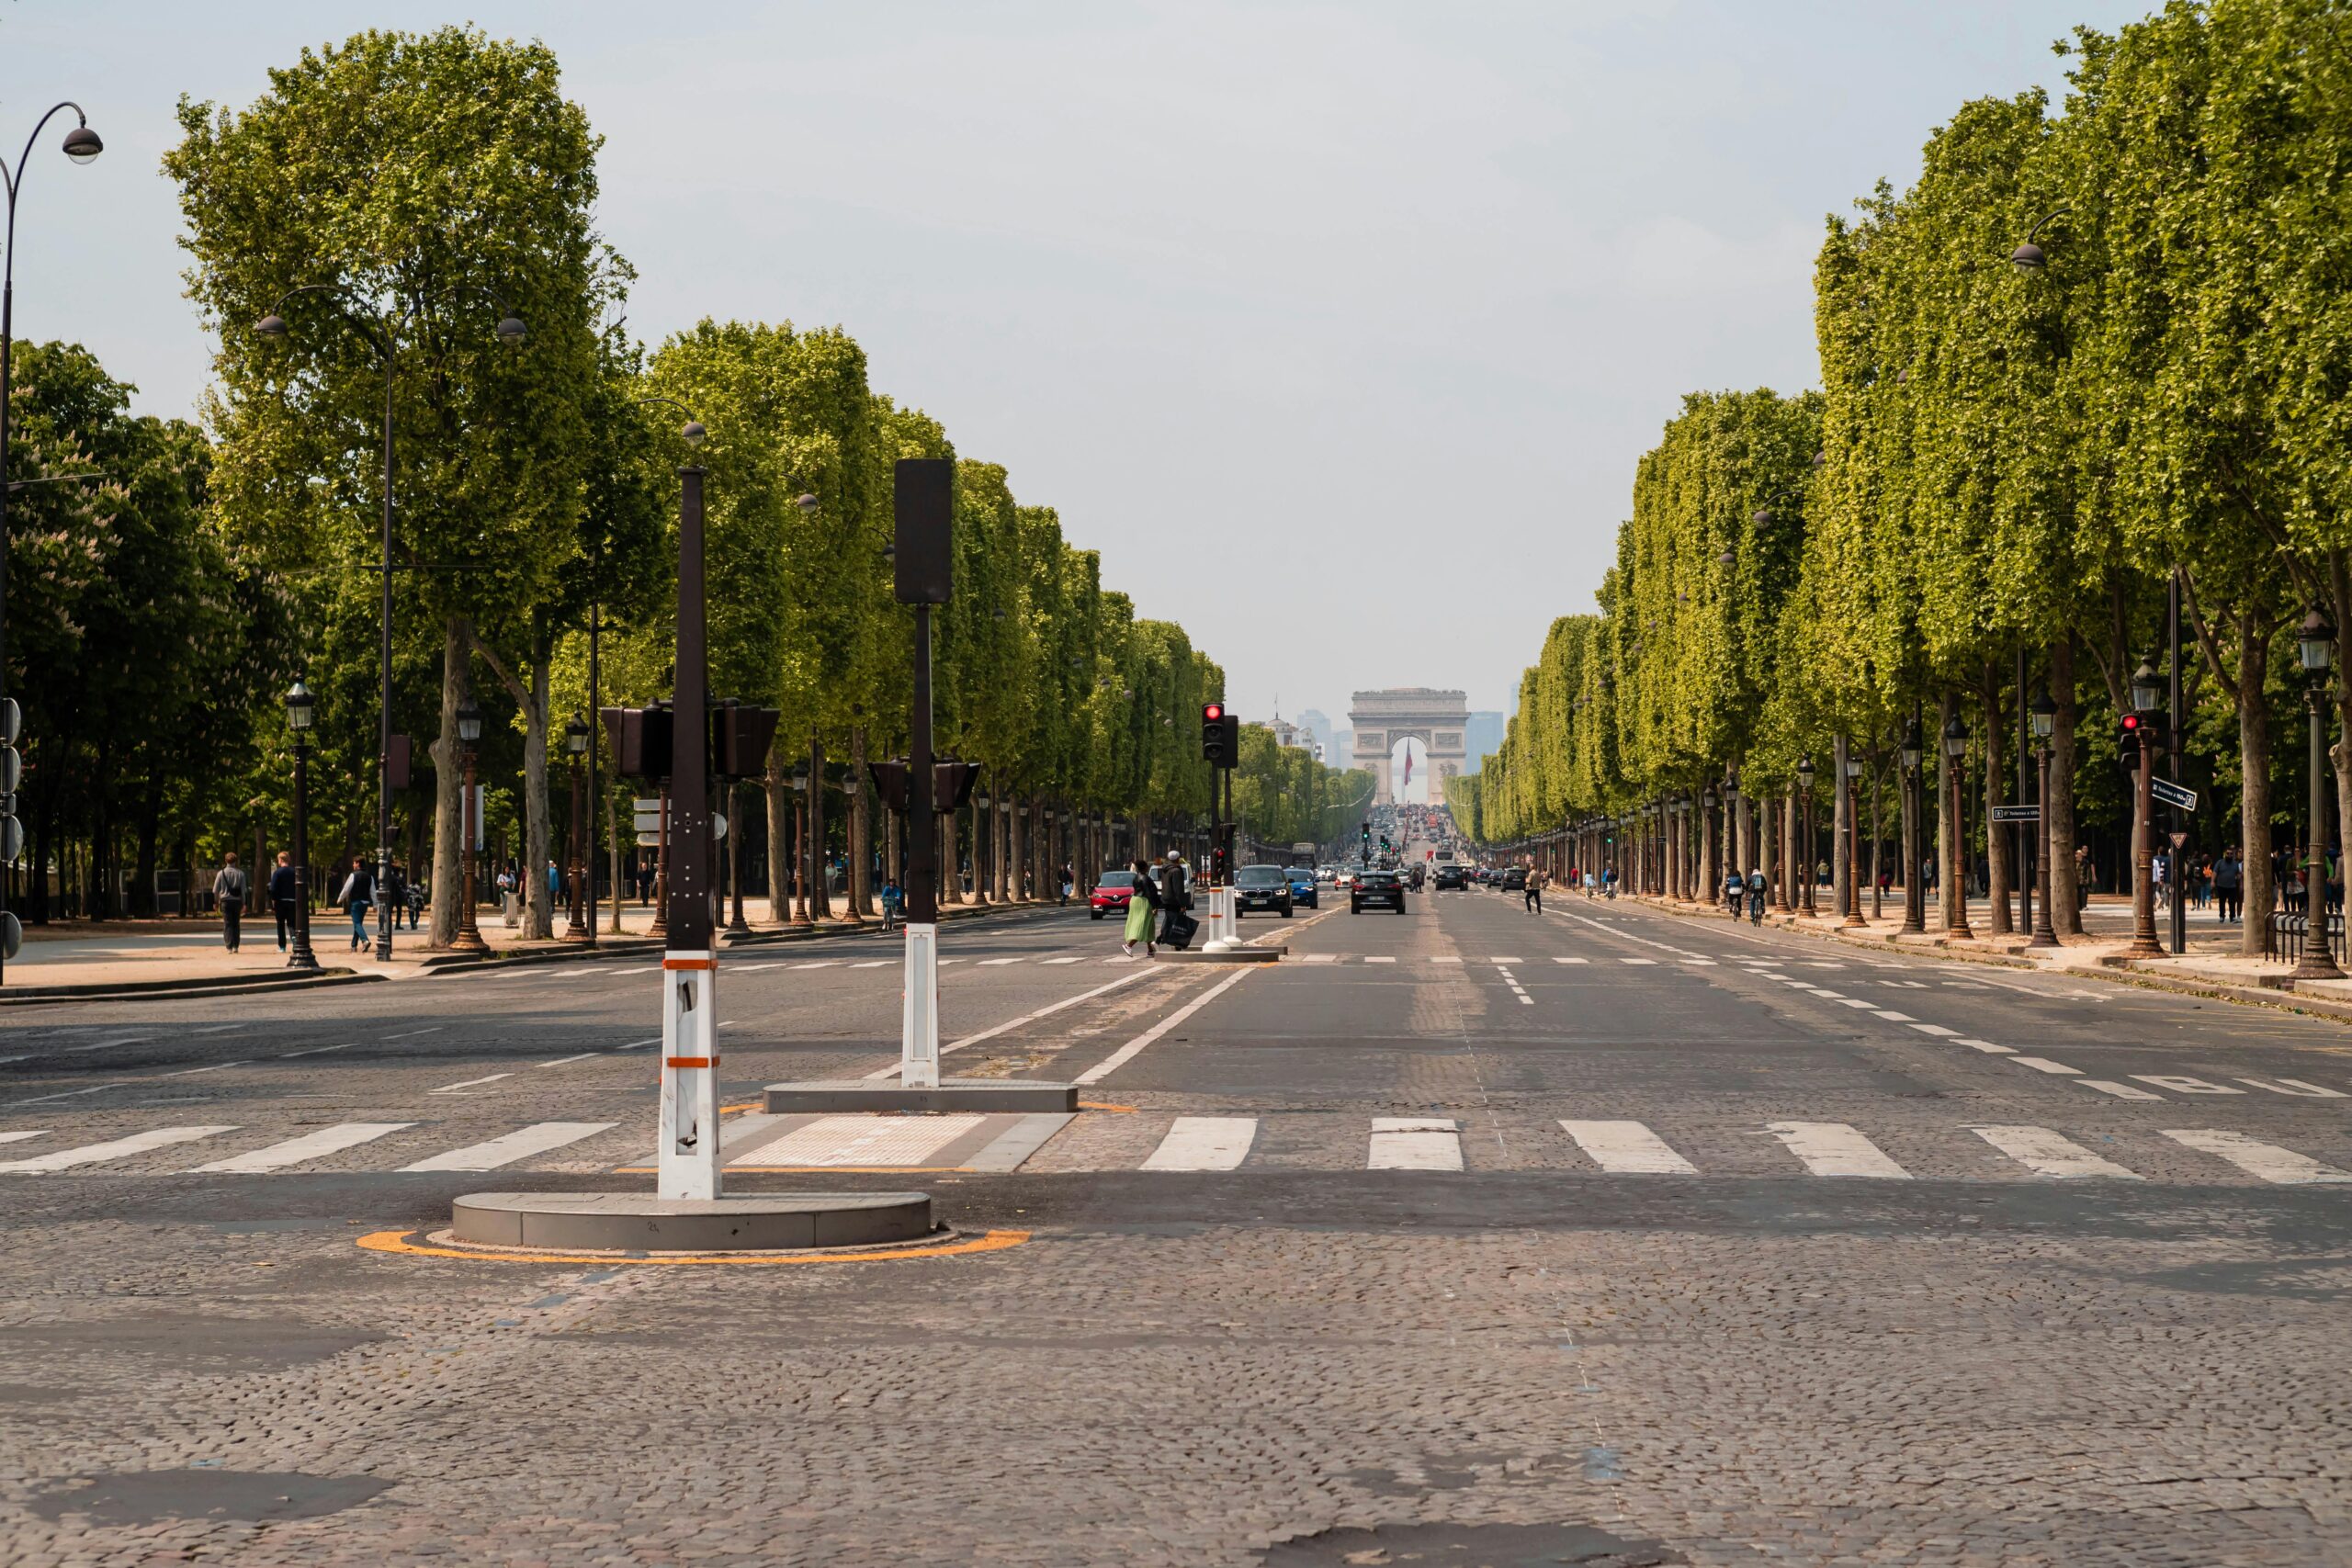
pixel 2209 965
pixel 95 960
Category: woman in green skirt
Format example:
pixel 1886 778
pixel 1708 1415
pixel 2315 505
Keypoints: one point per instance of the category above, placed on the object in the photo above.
pixel 1143 910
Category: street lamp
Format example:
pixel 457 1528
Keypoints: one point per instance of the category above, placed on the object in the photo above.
pixel 1853 839
pixel 468 938
pixel 81 144
pixel 2044 714
pixel 576 736
pixel 2028 257
pixel 300 708
pixel 800 860
pixel 2147 699
pixel 1955 752
pixel 2315 645
pixel 1805 785
pixel 380 330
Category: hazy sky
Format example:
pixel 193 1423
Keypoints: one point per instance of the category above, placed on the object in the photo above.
pixel 1337 328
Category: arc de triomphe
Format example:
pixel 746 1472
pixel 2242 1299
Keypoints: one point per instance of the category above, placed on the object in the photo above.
pixel 1435 718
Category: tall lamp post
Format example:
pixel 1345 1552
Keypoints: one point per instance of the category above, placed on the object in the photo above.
pixel 2044 715
pixel 2147 698
pixel 299 711
pixel 81 144
pixel 1955 752
pixel 576 736
pixel 380 330
pixel 1805 786
pixel 468 938
pixel 1914 892
pixel 2316 647
pixel 1853 839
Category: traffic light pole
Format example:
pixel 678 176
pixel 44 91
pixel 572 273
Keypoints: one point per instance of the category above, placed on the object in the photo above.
pixel 2144 858
pixel 2180 820
pixel 919 1013
pixel 687 1154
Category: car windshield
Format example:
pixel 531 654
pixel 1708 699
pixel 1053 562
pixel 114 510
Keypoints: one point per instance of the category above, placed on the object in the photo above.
pixel 1262 875
pixel 1117 879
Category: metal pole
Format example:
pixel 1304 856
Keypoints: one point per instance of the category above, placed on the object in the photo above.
pixel 2143 857
pixel 384 715
pixel 7 342
pixel 919 1031
pixel 2045 934
pixel 2021 835
pixel 301 957
pixel 468 938
pixel 1960 928
pixel 576 928
pixel 595 732
pixel 2318 963
pixel 2179 820
pixel 688 1150
pixel 736 924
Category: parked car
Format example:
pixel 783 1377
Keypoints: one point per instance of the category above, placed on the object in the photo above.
pixel 1262 888
pixel 1385 888
pixel 1111 894
pixel 1304 888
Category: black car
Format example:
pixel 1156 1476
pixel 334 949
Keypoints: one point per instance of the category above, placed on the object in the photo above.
pixel 1381 888
pixel 1515 879
pixel 1262 888
pixel 1450 876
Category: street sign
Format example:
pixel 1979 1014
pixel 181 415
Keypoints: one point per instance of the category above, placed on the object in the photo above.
pixel 2017 814
pixel 2179 840
pixel 2172 793
pixel 647 824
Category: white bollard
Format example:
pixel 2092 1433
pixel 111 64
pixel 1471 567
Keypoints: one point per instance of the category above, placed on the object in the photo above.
pixel 1223 931
pixel 686 1162
pixel 918 1018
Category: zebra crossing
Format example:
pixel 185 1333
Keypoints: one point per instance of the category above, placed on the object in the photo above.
pixel 760 1142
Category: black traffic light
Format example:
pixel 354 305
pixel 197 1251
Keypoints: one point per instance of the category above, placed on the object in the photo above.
pixel 1216 864
pixel 890 782
pixel 2129 738
pixel 740 738
pixel 1232 722
pixel 952 782
pixel 642 740
pixel 1213 733
pixel 12 832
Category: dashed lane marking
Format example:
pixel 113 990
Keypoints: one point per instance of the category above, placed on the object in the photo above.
pixel 535 1139
pixel 469 1083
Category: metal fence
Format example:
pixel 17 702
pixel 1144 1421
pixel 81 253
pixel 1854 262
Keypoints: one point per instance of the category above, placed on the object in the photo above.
pixel 2288 935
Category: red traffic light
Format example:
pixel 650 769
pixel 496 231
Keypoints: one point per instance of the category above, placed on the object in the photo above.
pixel 1212 712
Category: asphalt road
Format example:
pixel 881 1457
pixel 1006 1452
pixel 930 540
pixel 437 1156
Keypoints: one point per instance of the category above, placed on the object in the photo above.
pixel 1467 1236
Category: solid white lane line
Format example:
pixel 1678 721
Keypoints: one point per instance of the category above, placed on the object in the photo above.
pixel 753 968
pixel 2044 1065
pixel 294 1151
pixel 2269 1161
pixel 114 1149
pixel 1414 1143
pixel 1133 1048
pixel 315 1050
pixel 1066 960
pixel 1048 1010
pixel 2046 1152
pixel 1628 1148
pixel 216 1028
pixel 216 1067
pixel 521 1144
pixel 561 1061
pixel 72 1093
pixel 819 963
pixel 1834 1148
pixel 2120 1090
pixel 1205 1143
pixel 105 1044
pixel 20 1137
pixel 469 1083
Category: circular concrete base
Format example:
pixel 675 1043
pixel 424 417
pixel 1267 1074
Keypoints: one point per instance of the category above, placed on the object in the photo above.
pixel 637 1222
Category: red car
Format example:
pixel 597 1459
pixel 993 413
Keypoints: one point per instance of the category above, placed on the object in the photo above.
pixel 1111 894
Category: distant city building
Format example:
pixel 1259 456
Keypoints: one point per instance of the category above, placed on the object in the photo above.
pixel 1482 735
pixel 1315 723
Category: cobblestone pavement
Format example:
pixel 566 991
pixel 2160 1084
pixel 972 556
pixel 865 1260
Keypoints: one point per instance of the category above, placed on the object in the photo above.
pixel 1473 1237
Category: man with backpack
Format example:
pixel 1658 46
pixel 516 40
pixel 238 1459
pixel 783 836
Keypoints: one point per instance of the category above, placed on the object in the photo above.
pixel 1176 898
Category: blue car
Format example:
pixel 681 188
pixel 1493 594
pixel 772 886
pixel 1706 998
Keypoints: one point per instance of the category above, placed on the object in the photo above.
pixel 1302 888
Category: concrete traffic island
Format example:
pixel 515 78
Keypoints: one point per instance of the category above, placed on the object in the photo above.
pixel 640 1222
pixel 983 1095
pixel 1221 955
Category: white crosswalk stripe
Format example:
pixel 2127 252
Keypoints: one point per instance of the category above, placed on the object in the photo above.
pixel 2046 1152
pixel 1833 1148
pixel 1205 1143
pixel 1414 1143
pixel 855 1139
pixel 1628 1148
pixel 112 1149
pixel 535 1139
pixel 2269 1161
pixel 309 1147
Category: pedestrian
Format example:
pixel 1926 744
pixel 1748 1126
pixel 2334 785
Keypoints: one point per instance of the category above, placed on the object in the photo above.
pixel 1177 924
pixel 1533 902
pixel 555 886
pixel 893 897
pixel 1143 910
pixel 357 895
pixel 396 895
pixel 229 892
pixel 1069 881
pixel 2229 886
pixel 284 891
pixel 508 885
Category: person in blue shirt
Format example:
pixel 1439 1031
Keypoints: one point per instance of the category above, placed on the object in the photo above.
pixel 893 897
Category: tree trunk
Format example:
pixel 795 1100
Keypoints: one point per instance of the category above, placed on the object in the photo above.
pixel 951 881
pixel 1767 838
pixel 448 789
pixel 821 886
pixel 2340 754
pixel 2065 914
pixel 1999 884
pixel 2254 811
pixel 861 830
pixel 978 827
pixel 779 795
